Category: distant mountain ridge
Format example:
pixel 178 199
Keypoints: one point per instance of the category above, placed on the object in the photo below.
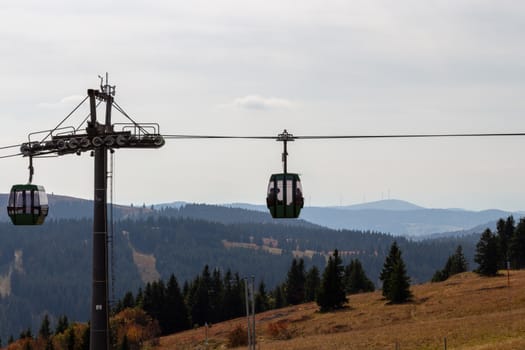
pixel 397 217
pixel 387 204
pixel 392 216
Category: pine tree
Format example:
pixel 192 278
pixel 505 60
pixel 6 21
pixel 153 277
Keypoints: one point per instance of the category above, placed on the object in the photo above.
pixel 216 293
pixel 458 262
pixel 390 260
pixel 355 278
pixel 233 305
pixel 153 301
pixel 295 283
pixel 505 231
pixel 261 298
pixel 399 284
pixel 70 339
pixel 62 325
pixel 487 254
pixel 455 264
pixel 278 298
pixel 128 301
pixel 517 246
pixel 175 308
pixel 332 294
pixel 312 284
pixel 45 329
pixel 200 298
pixel 396 283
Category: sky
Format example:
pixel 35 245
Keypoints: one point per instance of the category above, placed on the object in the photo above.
pixel 250 68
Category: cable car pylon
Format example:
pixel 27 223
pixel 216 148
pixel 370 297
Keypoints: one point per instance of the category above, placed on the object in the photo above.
pixel 97 139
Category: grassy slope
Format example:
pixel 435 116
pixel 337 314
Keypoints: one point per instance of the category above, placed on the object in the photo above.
pixel 470 311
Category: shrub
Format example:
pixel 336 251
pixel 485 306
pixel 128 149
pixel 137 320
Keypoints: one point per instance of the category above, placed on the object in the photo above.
pixel 280 330
pixel 238 337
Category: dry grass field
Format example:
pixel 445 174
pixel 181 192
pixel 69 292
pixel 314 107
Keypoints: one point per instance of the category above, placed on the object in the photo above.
pixel 471 312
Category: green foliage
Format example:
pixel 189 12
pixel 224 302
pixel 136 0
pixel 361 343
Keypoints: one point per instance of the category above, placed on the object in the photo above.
pixel 488 254
pixel 261 298
pixel 185 246
pixel 62 325
pixel 455 264
pixel 332 295
pixel 355 279
pixel 312 284
pixel 295 283
pixel 505 232
pixel 45 329
pixel 70 339
pixel 278 298
pixel 396 283
pixel 517 246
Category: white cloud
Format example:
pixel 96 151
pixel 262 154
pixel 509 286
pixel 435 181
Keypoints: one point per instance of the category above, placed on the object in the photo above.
pixel 64 102
pixel 261 103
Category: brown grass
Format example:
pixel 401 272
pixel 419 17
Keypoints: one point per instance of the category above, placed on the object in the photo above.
pixel 472 312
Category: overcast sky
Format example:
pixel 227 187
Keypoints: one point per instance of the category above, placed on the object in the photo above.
pixel 257 67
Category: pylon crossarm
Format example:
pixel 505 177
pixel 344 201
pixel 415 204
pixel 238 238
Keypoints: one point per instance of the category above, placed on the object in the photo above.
pixel 77 143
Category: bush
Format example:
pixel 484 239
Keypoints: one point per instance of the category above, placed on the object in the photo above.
pixel 280 330
pixel 237 337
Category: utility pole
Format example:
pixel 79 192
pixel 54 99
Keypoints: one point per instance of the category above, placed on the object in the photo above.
pixel 98 139
pixel 250 311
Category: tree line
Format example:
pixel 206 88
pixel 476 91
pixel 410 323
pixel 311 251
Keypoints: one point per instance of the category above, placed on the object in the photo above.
pixel 162 308
pixel 502 249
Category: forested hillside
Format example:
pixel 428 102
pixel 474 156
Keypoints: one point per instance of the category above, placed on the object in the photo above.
pixel 47 269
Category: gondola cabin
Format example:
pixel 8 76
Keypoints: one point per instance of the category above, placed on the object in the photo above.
pixel 27 205
pixel 285 196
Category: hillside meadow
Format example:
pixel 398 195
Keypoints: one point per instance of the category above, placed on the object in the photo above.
pixel 470 312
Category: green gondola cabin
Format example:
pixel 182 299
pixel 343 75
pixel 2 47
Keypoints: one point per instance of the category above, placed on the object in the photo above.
pixel 27 205
pixel 285 197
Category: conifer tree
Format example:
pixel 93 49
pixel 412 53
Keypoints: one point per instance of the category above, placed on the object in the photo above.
pixel 332 294
pixel 200 301
pixel 458 263
pixel 295 283
pixel 390 260
pixel 62 325
pixel 261 298
pixel 505 232
pixel 312 284
pixel 278 298
pixel 487 254
pixel 396 283
pixel 233 305
pixel 70 339
pixel 355 278
pixel 517 246
pixel 45 329
pixel 216 293
pixel 128 301
pixel 455 264
pixel 175 309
